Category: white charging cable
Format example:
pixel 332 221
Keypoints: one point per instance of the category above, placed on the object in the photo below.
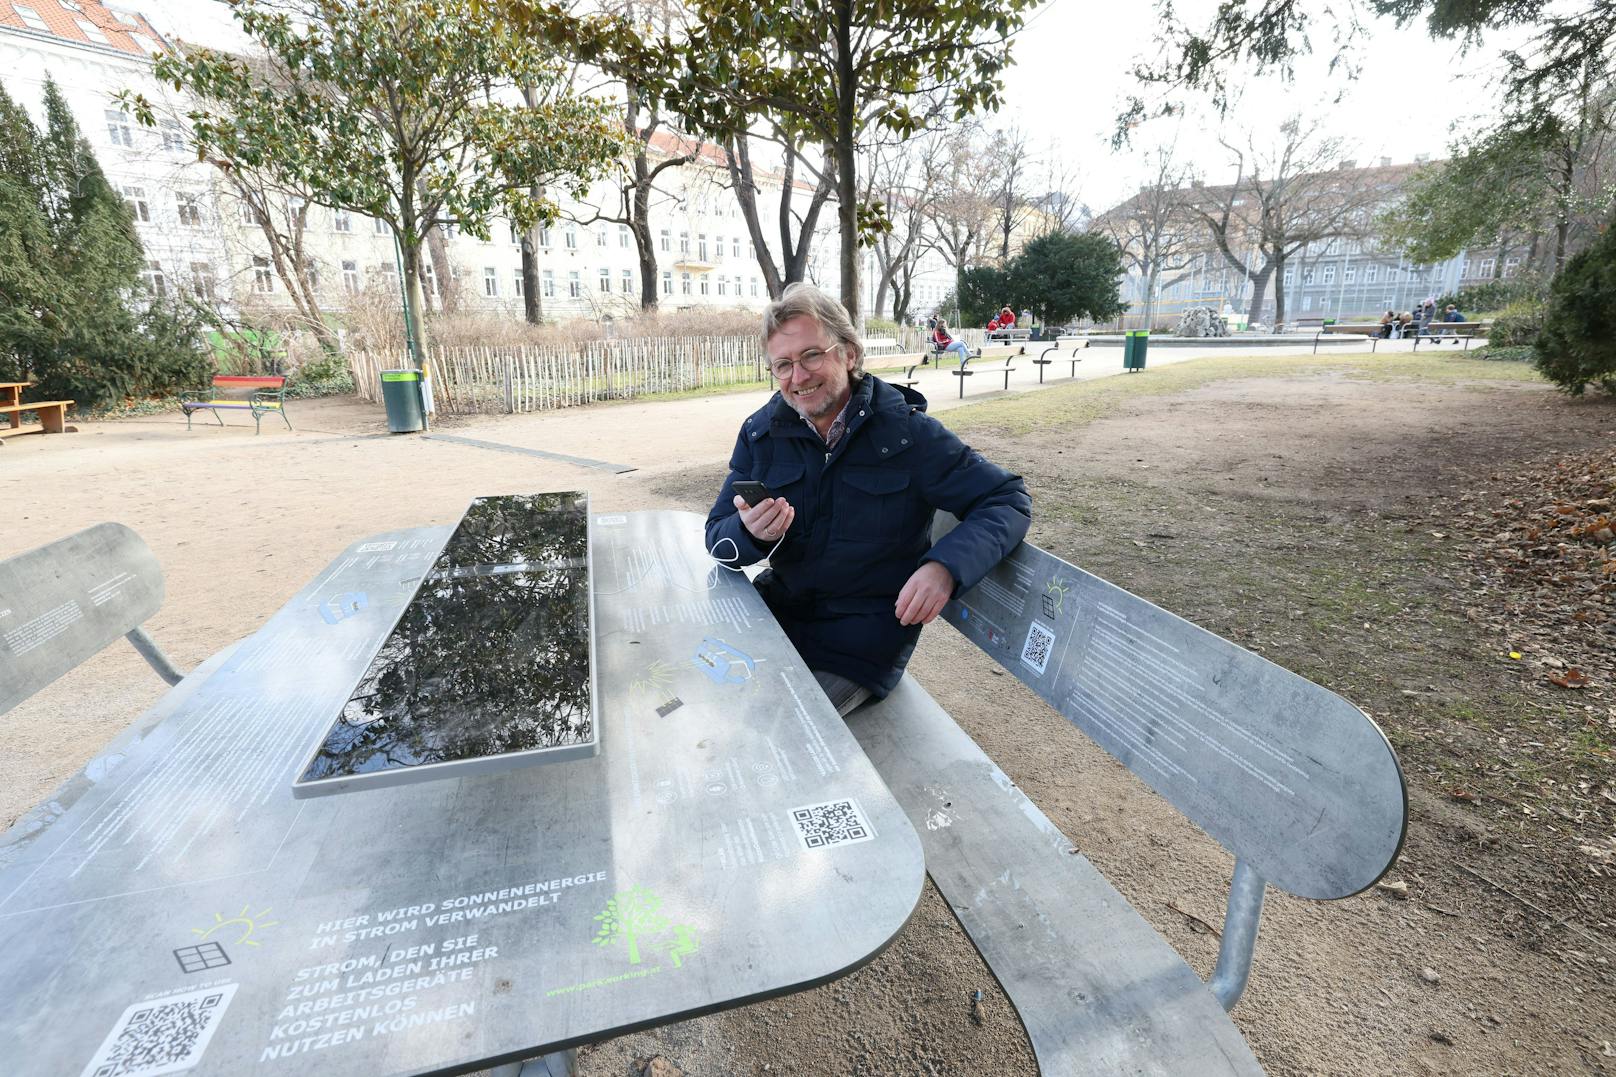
pixel 724 562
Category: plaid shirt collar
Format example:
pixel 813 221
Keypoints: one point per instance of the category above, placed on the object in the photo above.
pixel 838 425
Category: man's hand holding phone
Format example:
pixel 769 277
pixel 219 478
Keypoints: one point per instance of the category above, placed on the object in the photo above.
pixel 766 518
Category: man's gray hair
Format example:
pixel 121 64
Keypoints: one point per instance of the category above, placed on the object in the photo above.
pixel 802 299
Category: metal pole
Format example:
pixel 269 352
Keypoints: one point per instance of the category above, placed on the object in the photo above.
pixel 1239 935
pixel 154 655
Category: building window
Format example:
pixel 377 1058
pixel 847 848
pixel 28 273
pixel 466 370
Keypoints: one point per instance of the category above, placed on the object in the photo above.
pixel 1392 273
pixel 341 221
pixel 626 283
pixel 718 248
pixel 263 279
pixel 544 235
pixel 684 283
pixel 704 284
pixel 1510 266
pixel 153 276
pixel 429 279
pixel 1290 276
pixel 600 234
pixel 548 284
pixel 1329 274
pixel 516 237
pixel 189 209
pixel 622 235
pixel 379 226
pixel 350 277
pixel 570 236
pixel 117 122
pixel 311 271
pixel 92 31
pixel 1371 273
pixel 723 286
pixel 1307 277
pixel 666 241
pixel 1487 267
pixel 490 282
pixel 701 246
pixel 1350 276
pixel 520 289
pixel 735 247
pixel 135 199
pixel 30 18
pixel 574 285
pixel 173 136
pixel 605 281
pixel 684 242
pixel 667 282
pixel 1307 302
pixel 754 287
pixel 751 250
pixel 737 286
pixel 202 283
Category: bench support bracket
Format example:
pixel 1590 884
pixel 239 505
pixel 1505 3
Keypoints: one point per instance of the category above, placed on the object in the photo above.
pixel 1239 935
pixel 554 1064
pixel 154 655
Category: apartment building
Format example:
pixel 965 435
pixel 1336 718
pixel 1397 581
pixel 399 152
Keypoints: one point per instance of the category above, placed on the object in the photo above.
pixel 202 236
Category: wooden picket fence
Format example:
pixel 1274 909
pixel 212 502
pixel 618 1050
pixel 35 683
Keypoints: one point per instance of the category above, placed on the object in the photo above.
pixel 529 378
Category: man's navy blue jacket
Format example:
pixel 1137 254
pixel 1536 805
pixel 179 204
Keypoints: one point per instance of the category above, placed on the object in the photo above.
pixel 863 524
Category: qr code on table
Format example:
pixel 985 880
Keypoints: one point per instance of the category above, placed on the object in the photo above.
pixel 836 822
pixel 1035 652
pixel 166 1035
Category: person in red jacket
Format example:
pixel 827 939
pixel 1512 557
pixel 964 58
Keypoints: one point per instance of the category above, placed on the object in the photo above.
pixel 993 325
pixel 1007 318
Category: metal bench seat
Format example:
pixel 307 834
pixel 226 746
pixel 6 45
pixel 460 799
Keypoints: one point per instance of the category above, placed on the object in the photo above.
pixel 964 372
pixel 1299 784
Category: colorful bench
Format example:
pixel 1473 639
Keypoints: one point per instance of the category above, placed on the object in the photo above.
pixel 261 394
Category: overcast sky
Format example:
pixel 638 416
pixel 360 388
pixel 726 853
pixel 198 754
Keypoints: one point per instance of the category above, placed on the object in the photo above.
pixel 1073 70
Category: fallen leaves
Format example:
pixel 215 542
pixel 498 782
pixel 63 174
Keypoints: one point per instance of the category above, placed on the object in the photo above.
pixel 1571 678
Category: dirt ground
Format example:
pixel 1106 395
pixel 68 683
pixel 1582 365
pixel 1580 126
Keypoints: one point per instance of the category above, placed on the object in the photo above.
pixel 1306 509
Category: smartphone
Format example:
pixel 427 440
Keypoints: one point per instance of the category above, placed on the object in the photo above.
pixel 752 492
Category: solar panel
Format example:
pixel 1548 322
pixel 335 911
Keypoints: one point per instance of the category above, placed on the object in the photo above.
pixel 489 667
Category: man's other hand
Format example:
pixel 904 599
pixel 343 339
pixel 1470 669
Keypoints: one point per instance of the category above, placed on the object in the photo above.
pixel 768 520
pixel 925 595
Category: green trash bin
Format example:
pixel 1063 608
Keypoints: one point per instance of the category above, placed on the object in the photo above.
pixel 401 392
pixel 1134 343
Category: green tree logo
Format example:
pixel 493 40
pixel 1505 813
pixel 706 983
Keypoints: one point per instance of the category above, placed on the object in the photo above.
pixel 634 918
pixel 629 916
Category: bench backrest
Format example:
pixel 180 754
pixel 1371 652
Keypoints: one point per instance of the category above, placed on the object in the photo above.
pixel 1290 777
pixel 63 602
pixel 247 383
pixel 1366 327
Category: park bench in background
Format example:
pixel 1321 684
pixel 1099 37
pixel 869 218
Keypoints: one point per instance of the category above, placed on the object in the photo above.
pixel 260 394
pixel 1292 779
pixel 1372 330
pixel 966 371
pixel 52 414
pixel 1078 344
pixel 108 576
pixel 1302 325
pixel 1437 332
pixel 1010 336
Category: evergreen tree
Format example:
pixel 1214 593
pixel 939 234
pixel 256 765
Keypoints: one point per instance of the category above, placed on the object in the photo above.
pixel 74 315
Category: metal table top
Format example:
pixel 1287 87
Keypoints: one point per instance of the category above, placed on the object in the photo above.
pixel 174 908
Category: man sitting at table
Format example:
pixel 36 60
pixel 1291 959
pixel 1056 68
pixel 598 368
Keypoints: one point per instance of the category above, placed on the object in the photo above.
pixel 855 469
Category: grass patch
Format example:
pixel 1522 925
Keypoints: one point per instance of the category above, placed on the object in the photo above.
pixel 1083 402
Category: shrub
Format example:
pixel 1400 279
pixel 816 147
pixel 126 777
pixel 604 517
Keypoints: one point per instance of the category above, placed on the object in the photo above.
pixel 1577 345
pixel 1517 324
pixel 1495 295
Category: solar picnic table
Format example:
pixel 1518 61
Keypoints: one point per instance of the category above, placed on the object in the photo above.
pixel 681 826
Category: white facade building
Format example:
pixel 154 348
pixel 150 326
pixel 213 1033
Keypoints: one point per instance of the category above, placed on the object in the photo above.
pixel 199 235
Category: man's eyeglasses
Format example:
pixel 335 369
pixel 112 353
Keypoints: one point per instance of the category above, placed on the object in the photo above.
pixel 810 360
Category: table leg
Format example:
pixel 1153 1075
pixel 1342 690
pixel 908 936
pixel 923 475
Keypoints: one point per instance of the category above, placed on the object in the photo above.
pixel 554 1064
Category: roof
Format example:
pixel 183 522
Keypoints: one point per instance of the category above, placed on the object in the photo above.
pixel 671 143
pixel 82 22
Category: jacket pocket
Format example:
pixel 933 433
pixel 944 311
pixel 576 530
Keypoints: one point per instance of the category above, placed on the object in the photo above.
pixel 872 504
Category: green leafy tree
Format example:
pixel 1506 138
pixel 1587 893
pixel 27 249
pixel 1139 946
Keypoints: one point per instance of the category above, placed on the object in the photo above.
pixel 409 111
pixel 981 291
pixel 1577 345
pixel 74 315
pixel 1060 277
pixel 629 916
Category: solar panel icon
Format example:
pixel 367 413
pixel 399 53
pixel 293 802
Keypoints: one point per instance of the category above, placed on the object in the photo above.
pixel 208 955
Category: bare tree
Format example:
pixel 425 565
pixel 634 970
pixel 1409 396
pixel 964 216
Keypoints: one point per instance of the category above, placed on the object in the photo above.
pixel 961 216
pixel 903 179
pixel 795 227
pixel 1011 204
pixel 1156 229
pixel 1284 197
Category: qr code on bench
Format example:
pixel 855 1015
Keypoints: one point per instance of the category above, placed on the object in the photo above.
pixel 836 822
pixel 1035 652
pixel 166 1035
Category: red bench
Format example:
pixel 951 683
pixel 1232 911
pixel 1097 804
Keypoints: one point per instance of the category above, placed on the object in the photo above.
pixel 261 394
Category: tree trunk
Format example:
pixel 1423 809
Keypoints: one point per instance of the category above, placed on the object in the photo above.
pixel 532 303
pixel 846 160
pixel 738 161
pixel 442 270
pixel 1277 270
pixel 1259 292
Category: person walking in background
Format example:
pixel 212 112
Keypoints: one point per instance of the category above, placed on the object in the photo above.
pixel 945 343
pixel 1452 314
